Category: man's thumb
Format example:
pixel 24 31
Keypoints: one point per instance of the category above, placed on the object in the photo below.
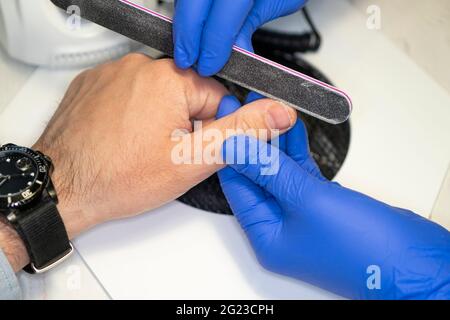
pixel 264 119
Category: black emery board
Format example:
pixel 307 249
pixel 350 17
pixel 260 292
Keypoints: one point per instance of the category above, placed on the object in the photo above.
pixel 244 68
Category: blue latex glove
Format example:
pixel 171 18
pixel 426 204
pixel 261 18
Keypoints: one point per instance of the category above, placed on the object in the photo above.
pixel 303 226
pixel 206 30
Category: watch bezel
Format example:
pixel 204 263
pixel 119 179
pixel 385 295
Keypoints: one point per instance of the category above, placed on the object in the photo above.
pixel 29 194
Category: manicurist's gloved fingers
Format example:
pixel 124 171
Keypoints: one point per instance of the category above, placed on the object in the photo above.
pixel 227 106
pixel 244 39
pixel 252 23
pixel 250 204
pixel 244 42
pixel 261 13
pixel 297 147
pixel 235 185
pixel 253 96
pixel 222 27
pixel 256 210
pixel 268 167
pixel 190 18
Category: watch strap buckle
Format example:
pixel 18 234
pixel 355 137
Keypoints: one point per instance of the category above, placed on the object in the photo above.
pixel 32 268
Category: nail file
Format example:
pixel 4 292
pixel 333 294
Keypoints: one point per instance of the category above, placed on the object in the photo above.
pixel 244 68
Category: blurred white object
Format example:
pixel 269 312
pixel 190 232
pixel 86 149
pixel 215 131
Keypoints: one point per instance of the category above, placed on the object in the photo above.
pixel 38 33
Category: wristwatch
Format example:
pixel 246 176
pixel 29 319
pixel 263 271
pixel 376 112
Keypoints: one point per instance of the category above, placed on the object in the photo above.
pixel 28 201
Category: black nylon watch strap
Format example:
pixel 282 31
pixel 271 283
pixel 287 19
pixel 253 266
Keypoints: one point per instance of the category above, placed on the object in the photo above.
pixel 43 233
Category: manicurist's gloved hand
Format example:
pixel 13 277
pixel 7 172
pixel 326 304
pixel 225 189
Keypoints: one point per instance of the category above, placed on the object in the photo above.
pixel 304 226
pixel 206 30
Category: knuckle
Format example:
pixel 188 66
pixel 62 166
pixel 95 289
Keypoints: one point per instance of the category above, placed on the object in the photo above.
pixel 232 125
pixel 251 119
pixel 168 68
pixel 163 68
pixel 172 78
pixel 135 58
pixel 165 63
pixel 243 122
pixel 103 73
pixel 81 77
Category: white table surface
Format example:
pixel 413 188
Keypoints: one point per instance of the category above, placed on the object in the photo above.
pixel 73 280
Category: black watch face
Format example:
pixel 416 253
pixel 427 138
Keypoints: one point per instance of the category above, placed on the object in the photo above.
pixel 23 174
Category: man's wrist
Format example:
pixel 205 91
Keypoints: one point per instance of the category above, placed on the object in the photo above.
pixel 71 205
pixel 13 246
pixel 73 218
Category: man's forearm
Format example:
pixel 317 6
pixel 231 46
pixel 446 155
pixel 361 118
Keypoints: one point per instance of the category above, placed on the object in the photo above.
pixel 12 246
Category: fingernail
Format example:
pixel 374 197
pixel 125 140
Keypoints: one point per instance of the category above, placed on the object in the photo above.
pixel 279 117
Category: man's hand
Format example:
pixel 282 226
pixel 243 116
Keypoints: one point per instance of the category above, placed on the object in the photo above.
pixel 111 138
